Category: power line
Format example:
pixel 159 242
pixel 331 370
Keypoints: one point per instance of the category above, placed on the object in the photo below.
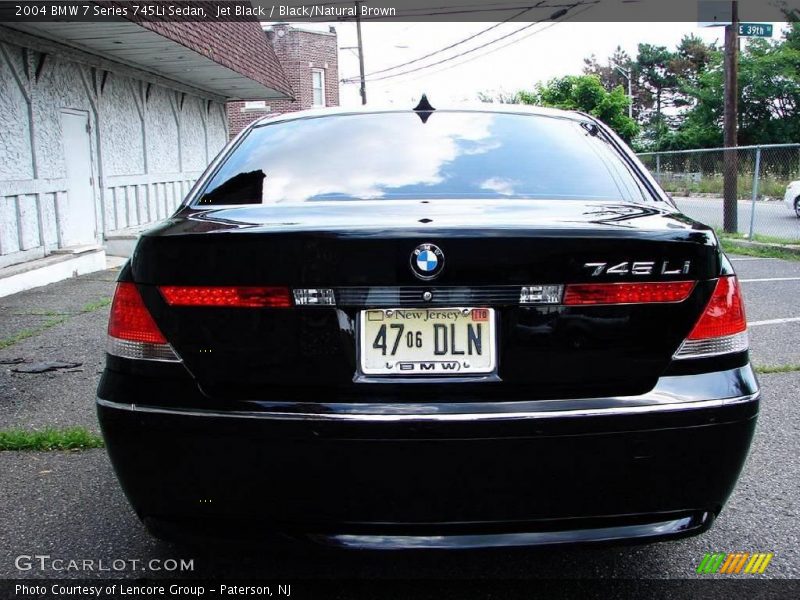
pixel 477 6
pixel 446 59
pixel 472 58
pixel 451 46
pixel 493 50
pixel 553 17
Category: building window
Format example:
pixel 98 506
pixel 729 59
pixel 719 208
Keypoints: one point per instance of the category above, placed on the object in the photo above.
pixel 255 106
pixel 317 87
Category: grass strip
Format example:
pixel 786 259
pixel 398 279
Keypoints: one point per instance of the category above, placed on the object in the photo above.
pixel 73 438
pixel 759 251
pixel 757 237
pixel 93 306
pixel 766 369
pixel 29 333
pixel 56 319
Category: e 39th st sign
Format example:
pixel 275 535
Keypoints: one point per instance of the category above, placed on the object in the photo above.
pixel 755 29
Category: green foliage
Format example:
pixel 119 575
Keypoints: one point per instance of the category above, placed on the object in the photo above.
pixel 585 93
pixel 769 104
pixel 678 94
pixel 74 438
pixel 713 183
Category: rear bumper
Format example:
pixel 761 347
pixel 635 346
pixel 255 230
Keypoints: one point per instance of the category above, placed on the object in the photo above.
pixel 649 529
pixel 649 467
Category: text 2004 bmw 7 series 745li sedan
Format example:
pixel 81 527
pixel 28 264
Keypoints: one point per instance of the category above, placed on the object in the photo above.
pixel 428 328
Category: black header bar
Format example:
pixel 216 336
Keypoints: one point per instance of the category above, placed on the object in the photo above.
pixel 269 11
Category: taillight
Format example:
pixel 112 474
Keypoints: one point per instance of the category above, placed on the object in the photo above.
pixel 722 328
pixel 230 296
pixel 132 332
pixel 627 293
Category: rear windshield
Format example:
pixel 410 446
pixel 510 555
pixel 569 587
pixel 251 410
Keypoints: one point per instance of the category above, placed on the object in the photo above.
pixel 402 156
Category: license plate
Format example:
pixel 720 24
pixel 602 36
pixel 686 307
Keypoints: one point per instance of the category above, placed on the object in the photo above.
pixel 427 341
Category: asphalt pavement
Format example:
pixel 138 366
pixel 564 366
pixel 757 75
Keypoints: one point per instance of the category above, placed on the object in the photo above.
pixel 69 505
pixel 772 218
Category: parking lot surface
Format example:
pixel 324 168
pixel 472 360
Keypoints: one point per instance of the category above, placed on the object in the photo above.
pixel 772 218
pixel 69 504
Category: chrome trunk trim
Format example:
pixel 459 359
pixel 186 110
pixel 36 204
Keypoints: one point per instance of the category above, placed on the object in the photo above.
pixel 402 296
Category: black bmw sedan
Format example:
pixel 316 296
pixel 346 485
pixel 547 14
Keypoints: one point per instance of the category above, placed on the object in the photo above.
pixel 428 329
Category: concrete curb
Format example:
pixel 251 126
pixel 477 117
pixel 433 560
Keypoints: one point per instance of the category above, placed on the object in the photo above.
pixel 791 249
pixel 56 267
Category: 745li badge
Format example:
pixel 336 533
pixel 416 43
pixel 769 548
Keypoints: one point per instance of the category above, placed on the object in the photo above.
pixel 639 268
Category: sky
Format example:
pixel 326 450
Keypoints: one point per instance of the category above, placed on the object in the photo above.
pixel 539 53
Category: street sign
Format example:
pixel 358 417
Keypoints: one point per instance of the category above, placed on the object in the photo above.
pixel 755 29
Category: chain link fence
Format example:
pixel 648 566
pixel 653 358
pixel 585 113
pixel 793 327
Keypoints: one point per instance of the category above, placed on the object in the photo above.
pixel 768 205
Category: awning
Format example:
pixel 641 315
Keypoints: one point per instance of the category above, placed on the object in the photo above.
pixel 233 60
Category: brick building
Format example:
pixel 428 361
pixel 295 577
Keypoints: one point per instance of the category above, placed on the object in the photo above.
pixel 310 61
pixel 105 126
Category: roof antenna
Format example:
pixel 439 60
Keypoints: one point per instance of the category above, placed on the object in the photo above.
pixel 424 109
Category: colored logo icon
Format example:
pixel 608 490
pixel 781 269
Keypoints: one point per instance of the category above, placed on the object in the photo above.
pixel 735 563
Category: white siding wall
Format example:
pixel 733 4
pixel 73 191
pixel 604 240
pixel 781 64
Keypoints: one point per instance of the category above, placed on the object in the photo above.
pixel 149 144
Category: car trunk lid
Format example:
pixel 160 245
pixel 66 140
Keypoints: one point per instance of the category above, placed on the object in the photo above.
pixel 362 251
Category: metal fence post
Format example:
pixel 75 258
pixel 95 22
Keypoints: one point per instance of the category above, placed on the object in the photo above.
pixel 658 167
pixel 699 172
pixel 756 174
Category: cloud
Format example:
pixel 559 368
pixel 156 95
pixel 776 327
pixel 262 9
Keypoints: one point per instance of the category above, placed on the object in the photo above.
pixel 500 185
pixel 361 157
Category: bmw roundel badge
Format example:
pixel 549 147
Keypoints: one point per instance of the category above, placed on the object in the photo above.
pixel 427 261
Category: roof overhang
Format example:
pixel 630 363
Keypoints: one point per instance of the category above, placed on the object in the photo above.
pixel 133 45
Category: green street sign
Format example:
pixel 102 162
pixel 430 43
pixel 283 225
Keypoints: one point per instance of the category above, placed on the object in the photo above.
pixel 755 29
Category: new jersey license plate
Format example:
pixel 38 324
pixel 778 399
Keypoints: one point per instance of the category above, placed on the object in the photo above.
pixel 427 341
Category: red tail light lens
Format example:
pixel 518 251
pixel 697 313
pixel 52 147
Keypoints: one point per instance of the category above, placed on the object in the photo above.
pixel 627 293
pixel 130 319
pixel 724 314
pixel 244 297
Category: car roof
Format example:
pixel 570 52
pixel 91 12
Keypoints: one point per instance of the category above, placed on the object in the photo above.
pixel 481 107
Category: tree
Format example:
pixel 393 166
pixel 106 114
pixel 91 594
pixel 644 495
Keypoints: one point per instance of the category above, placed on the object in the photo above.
pixel 654 68
pixel 691 58
pixel 678 94
pixel 769 106
pixel 611 77
pixel 587 94
pixel 498 97
pixel 659 77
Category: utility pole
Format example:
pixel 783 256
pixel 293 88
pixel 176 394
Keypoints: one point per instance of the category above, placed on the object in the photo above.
pixel 731 169
pixel 630 94
pixel 361 54
pixel 627 74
